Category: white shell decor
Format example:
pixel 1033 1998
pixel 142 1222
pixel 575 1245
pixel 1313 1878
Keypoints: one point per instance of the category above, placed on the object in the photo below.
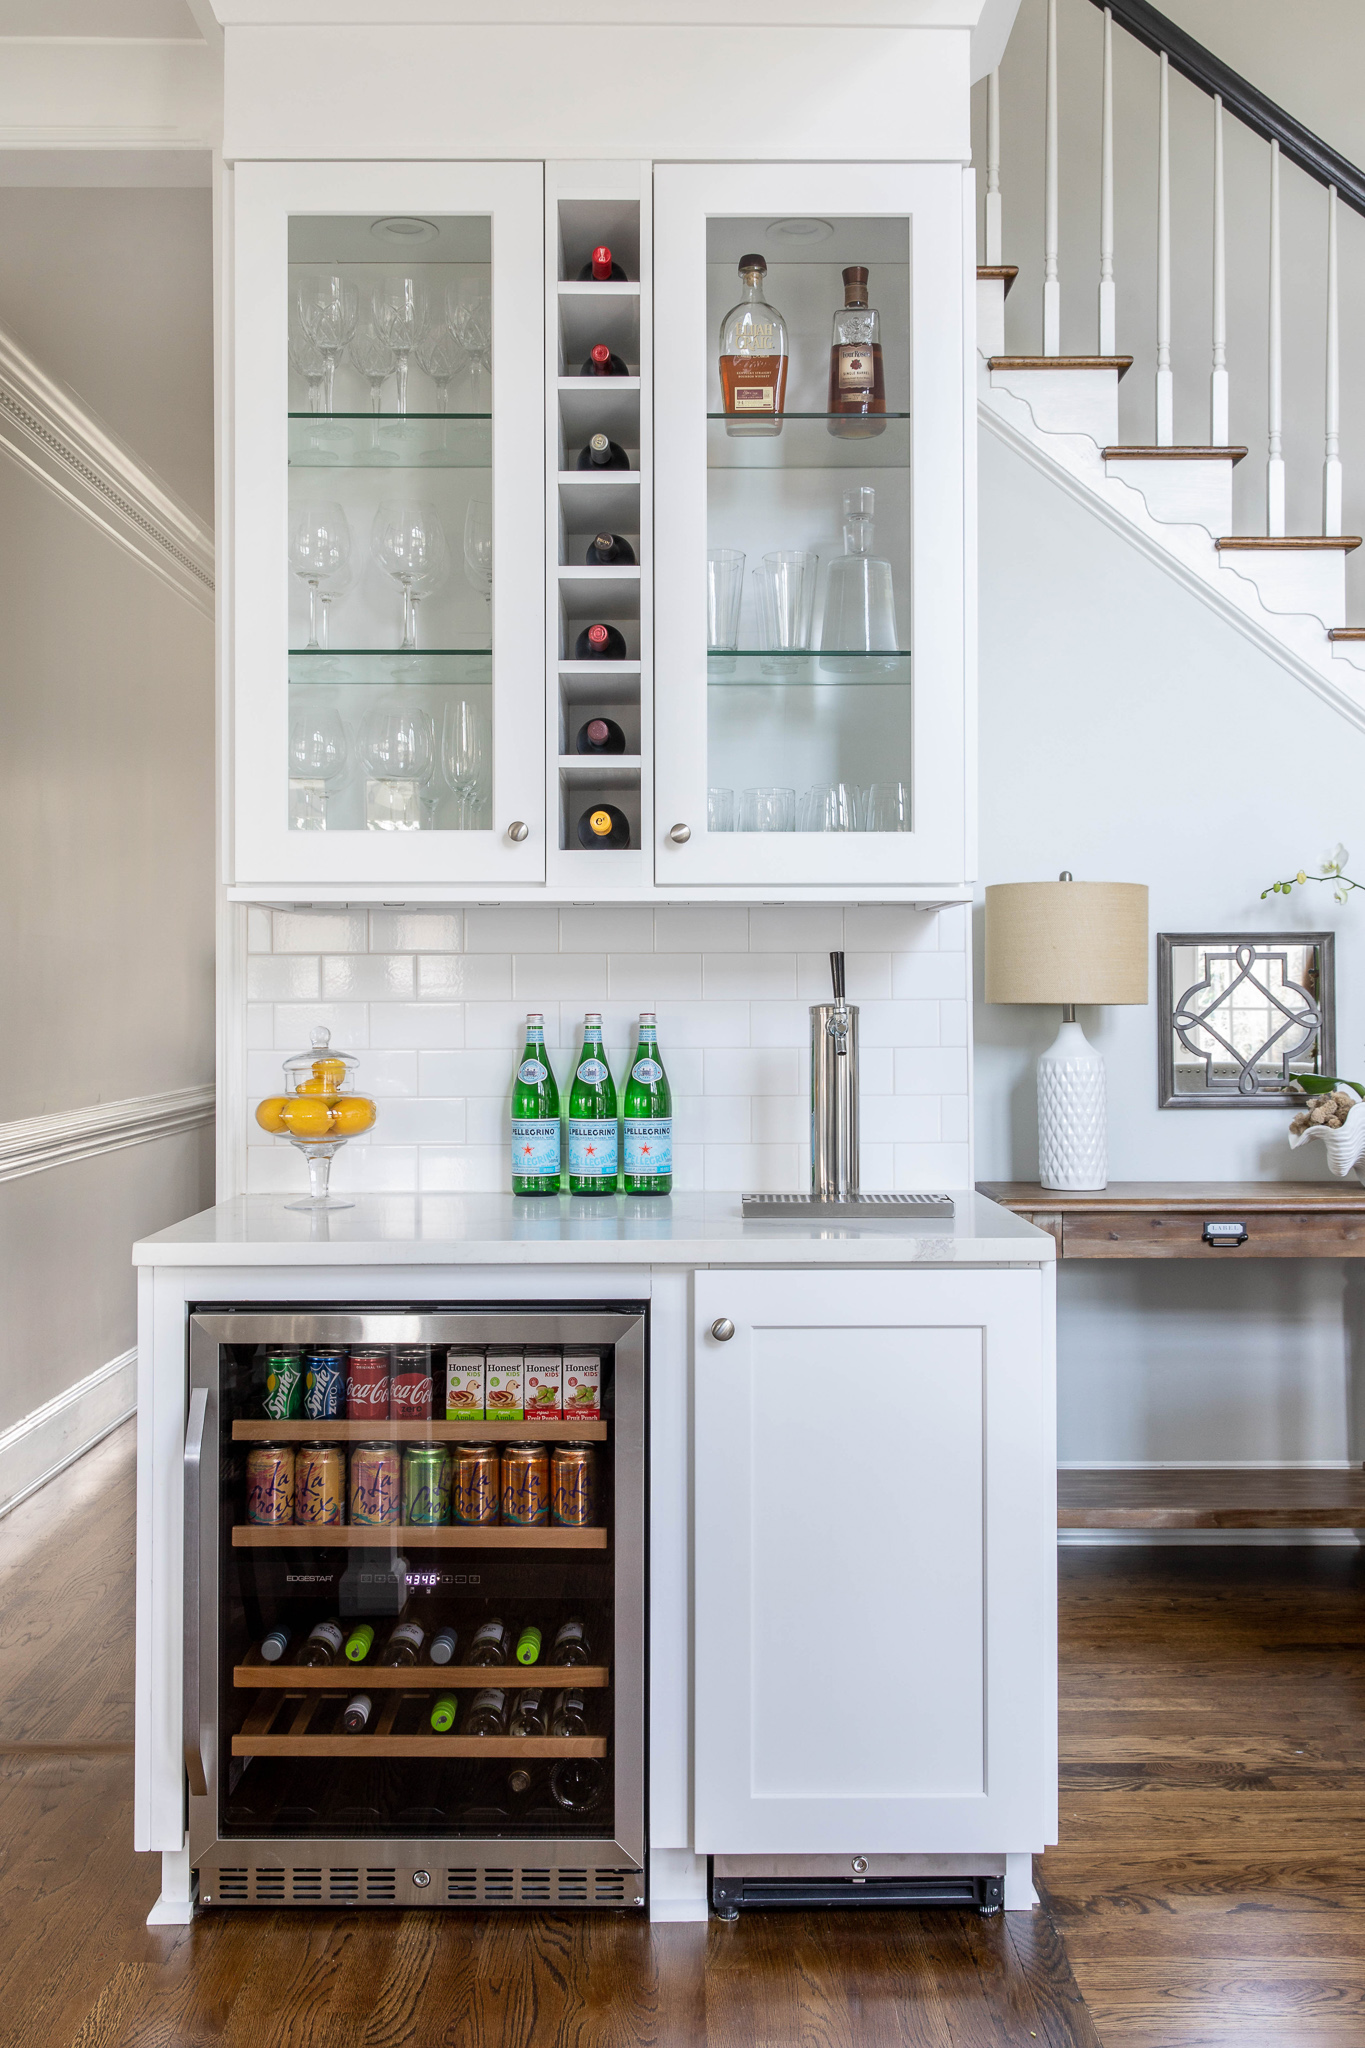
pixel 1345 1145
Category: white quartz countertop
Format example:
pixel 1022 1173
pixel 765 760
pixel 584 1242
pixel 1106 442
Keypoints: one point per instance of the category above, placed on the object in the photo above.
pixel 624 1230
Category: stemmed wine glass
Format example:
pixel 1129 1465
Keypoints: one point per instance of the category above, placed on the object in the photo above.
pixel 319 552
pixel 329 308
pixel 318 756
pixel 376 359
pixel 307 358
pixel 399 316
pixel 398 742
pixel 462 755
pixel 440 355
pixel 478 548
pixel 409 545
pixel 337 585
pixel 471 321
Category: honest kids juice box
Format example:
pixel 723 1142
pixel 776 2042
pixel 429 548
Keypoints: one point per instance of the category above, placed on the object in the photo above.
pixel 544 1385
pixel 505 1387
pixel 465 1400
pixel 582 1386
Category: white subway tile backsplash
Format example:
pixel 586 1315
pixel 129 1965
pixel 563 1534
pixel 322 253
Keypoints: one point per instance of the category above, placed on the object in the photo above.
pixel 952 928
pixel 259 930
pixel 426 1027
pixel 867 977
pixel 450 977
pixel 387 1073
pixel 953 1022
pixel 756 1070
pixel 898 1024
pixel 714 1119
pixel 374 1169
pixel 367 978
pixel 926 1070
pixel 416 931
pixel 463 1169
pixel 779 1119
pixel 779 1023
pixel 927 974
pixel 503 1025
pixel 796 928
pixel 704 1024
pixel 260 1026
pixel 272 980
pixel 520 928
pixel 606 928
pixel 486 1118
pixel 652 979
pixel 763 977
pixel 932 1166
pixel 426 1120
pixel 349 1024
pixel 685 928
pixel 900 1119
pixel 538 978
pixel 955 1111
pixel 466 1072
pixel 769 1169
pixel 321 931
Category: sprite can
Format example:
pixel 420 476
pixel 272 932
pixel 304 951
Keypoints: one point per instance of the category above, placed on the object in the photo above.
pixel 426 1486
pixel 283 1386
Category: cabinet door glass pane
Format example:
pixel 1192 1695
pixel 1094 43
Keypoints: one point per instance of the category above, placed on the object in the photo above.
pixel 390 523
pixel 809 525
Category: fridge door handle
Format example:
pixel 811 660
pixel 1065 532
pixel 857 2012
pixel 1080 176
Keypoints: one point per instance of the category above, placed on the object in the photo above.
pixel 194 1460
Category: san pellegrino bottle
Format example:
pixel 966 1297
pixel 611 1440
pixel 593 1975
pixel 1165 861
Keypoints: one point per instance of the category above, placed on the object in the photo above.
pixel 592 1117
pixel 535 1117
pixel 647 1117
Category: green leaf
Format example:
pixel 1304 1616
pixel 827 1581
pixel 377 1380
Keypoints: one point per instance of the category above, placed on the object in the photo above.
pixel 1325 1084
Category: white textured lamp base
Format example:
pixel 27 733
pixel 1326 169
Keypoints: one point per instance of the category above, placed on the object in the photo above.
pixel 1072 1153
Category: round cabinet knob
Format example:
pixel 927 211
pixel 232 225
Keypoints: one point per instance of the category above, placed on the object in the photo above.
pixel 517 831
pixel 680 834
pixel 722 1329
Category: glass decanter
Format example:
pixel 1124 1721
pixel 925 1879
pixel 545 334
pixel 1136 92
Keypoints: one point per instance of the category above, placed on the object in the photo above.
pixel 318 1113
pixel 860 604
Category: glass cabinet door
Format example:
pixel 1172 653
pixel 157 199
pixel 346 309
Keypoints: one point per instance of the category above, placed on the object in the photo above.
pixel 387 571
pixel 811 651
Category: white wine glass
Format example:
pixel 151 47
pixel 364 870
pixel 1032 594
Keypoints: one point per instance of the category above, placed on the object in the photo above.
pixel 462 756
pixel 307 358
pixel 409 545
pixel 398 744
pixel 318 759
pixel 333 587
pixel 400 309
pixel 376 359
pixel 439 353
pixel 319 551
pixel 471 321
pixel 478 548
pixel 329 307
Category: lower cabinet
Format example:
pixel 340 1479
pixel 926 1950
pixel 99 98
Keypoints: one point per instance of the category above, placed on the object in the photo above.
pixel 875 1546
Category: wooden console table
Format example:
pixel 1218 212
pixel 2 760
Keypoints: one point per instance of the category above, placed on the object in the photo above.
pixel 1166 1220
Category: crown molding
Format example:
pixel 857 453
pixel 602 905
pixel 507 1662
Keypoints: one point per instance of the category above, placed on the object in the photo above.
pixel 45 428
pixel 31 1144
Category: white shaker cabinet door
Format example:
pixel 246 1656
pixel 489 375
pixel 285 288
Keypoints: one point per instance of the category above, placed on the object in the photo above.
pixel 875 1531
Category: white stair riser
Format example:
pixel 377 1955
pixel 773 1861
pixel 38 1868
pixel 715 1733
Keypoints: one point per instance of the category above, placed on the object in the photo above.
pixel 990 316
pixel 1294 579
pixel 1349 650
pixel 1182 490
pixel 1067 401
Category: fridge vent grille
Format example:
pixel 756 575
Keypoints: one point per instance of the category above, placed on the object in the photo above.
pixel 535 1887
pixel 269 1887
pixel 307 1887
pixel 343 1887
pixel 499 1885
pixel 380 1884
pixel 234 1886
pixel 573 1887
pixel 609 1887
pixel 462 1887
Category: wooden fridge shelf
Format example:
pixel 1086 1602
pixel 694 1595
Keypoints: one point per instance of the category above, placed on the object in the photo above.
pixel 403 1678
pixel 1211 1498
pixel 448 1536
pixel 305 1432
pixel 259 1739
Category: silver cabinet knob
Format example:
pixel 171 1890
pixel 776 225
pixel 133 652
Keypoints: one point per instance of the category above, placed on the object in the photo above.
pixel 517 831
pixel 722 1329
pixel 680 834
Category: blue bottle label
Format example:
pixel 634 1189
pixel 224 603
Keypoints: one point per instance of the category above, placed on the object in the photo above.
pixel 649 1144
pixel 647 1071
pixel 532 1071
pixel 594 1072
pixel 535 1146
pixel 592 1149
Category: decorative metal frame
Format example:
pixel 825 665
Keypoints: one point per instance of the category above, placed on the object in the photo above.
pixel 1315 1020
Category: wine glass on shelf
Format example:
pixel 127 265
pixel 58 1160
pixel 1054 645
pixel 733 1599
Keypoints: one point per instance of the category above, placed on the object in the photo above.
pixel 409 545
pixel 329 307
pixel 398 743
pixel 319 552
pixel 471 322
pixel 439 353
pixel 318 758
pixel 478 548
pixel 336 585
pixel 376 359
pixel 307 358
pixel 399 316
pixel 462 756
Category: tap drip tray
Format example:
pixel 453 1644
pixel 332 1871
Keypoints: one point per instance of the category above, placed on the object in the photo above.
pixel 898 1207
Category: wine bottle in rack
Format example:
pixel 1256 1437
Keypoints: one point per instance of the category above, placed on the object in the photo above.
pixel 601 361
pixel 600 642
pixel 530 1715
pixel 600 736
pixel 610 551
pixel 601 268
pixel 444 1644
pixel 355 1718
pixel 323 1645
pixel 603 453
pixel 604 825
pixel 275 1643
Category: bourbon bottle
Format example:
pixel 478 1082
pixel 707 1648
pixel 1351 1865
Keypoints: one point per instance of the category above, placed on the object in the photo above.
pixel 857 386
pixel 753 358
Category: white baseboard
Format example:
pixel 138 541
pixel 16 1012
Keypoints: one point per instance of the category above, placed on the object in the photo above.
pixel 42 1444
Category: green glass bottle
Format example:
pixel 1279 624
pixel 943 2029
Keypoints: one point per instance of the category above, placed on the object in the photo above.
pixel 535 1117
pixel 647 1110
pixel 592 1117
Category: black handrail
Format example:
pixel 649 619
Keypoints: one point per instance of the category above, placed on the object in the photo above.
pixel 1299 144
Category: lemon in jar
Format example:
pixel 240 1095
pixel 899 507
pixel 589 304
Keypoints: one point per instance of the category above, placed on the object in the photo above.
pixel 270 1114
pixel 352 1114
pixel 306 1116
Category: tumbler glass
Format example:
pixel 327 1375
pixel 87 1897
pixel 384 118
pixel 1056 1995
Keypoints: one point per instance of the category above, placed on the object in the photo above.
pixel 832 807
pixel 786 601
pixel 768 810
pixel 888 807
pixel 724 589
pixel 720 810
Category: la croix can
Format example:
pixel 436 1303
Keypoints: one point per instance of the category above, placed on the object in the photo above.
pixel 410 1390
pixel 525 1484
pixel 320 1484
pixel 376 1485
pixel 367 1385
pixel 573 1486
pixel 283 1386
pixel 426 1485
pixel 270 1485
pixel 324 1385
pixel 475 1484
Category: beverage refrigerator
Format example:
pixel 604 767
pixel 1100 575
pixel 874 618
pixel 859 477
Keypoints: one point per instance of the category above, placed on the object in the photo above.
pixel 414 1647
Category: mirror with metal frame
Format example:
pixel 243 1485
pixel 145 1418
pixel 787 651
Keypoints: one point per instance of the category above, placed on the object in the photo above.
pixel 1240 1015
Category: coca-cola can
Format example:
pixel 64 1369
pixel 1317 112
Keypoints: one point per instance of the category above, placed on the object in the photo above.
pixel 367 1385
pixel 270 1485
pixel 376 1485
pixel 320 1484
pixel 410 1392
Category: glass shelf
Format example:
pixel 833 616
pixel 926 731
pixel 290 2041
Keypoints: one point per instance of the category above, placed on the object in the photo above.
pixel 387 440
pixel 748 668
pixel 805 442
pixel 336 665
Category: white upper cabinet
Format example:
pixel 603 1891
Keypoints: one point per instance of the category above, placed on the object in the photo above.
pixel 386 567
pixel 811 526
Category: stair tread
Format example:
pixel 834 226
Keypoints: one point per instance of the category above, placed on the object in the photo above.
pixel 1119 363
pixel 1346 633
pixel 1005 271
pixel 1181 454
pixel 1344 541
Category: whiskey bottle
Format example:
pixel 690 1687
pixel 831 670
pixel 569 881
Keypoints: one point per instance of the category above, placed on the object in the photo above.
pixel 592 1117
pixel 604 825
pixel 601 361
pixel 535 1117
pixel 603 453
pixel 857 386
pixel 600 643
pixel 753 358
pixel 601 267
pixel 600 736
pixel 647 1118
pixel 609 551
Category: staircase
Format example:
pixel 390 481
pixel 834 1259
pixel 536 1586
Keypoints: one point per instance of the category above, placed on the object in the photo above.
pixel 1285 592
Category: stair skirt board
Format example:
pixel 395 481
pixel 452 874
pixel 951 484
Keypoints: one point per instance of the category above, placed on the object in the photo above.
pixel 1182 487
pixel 1065 394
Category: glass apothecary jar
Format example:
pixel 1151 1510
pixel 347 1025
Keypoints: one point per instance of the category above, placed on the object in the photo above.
pixel 320 1110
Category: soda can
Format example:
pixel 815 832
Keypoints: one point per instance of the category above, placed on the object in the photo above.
pixel 426 1485
pixel 283 1386
pixel 376 1485
pixel 475 1483
pixel 525 1484
pixel 270 1485
pixel 410 1390
pixel 324 1385
pixel 320 1484
pixel 573 1486
pixel 367 1385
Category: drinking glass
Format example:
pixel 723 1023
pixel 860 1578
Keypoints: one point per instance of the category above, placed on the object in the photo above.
pixel 724 589
pixel 462 756
pixel 720 810
pixel 478 548
pixel 439 353
pixel 317 758
pixel 409 544
pixel 471 322
pixel 376 359
pixel 307 358
pixel 785 584
pixel 329 307
pixel 319 551
pixel 400 309
pixel 887 808
pixel 768 810
pixel 397 741
pixel 336 585
pixel 832 807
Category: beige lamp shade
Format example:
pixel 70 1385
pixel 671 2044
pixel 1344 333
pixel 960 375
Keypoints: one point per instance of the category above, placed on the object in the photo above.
pixel 1066 942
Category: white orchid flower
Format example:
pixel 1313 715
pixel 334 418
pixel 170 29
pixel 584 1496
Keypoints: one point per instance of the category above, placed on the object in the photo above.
pixel 1334 860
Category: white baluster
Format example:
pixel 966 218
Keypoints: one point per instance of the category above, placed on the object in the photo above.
pixel 1052 290
pixel 1165 386
pixel 1274 469
pixel 1218 382
pixel 1331 468
pixel 1107 320
pixel 994 238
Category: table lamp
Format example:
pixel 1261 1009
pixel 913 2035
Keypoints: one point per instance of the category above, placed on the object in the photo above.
pixel 1068 942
